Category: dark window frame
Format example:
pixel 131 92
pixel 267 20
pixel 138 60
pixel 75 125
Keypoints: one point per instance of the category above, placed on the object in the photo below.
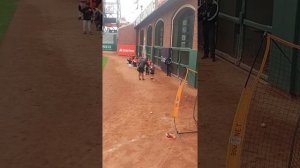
pixel 159 33
pixel 183 28
pixel 149 36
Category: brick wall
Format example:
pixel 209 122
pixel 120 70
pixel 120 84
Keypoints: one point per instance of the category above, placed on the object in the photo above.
pixel 127 35
pixel 167 17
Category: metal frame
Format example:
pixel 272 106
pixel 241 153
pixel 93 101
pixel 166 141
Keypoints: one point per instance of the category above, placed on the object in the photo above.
pixel 242 22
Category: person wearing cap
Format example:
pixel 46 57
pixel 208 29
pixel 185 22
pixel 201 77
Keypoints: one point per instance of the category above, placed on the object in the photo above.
pixel 208 14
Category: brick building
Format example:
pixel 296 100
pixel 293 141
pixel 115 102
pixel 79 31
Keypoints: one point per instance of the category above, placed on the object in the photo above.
pixel 126 40
pixel 172 24
pixel 169 27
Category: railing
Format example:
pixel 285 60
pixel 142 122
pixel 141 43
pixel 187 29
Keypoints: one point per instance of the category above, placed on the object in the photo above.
pixel 149 52
pixel 182 58
pixel 243 23
pixel 178 55
pixel 156 55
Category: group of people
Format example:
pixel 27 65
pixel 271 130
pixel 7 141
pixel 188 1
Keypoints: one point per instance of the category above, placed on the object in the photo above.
pixel 89 14
pixel 144 66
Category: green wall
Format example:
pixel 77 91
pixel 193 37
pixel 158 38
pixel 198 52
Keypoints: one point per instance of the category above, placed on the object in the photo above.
pixel 109 42
pixel 283 72
pixel 192 77
pixel 7 9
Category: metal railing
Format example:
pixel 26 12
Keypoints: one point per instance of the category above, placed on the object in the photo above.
pixel 242 22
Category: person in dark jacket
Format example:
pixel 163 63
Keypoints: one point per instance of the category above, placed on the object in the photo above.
pixel 141 67
pixel 168 63
pixel 208 13
pixel 98 19
pixel 87 13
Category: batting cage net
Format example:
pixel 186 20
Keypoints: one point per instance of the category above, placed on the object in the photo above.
pixel 266 128
pixel 186 106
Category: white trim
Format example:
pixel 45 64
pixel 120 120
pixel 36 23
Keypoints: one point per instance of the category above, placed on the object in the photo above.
pixel 149 26
pixel 160 19
pixel 182 7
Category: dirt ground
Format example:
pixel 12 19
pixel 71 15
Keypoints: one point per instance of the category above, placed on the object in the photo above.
pixel 50 89
pixel 132 135
pixel 271 145
pixel 220 87
pixel 134 138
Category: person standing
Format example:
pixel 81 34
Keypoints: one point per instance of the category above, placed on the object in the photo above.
pixel 208 13
pixel 87 13
pixel 141 67
pixel 98 19
pixel 152 70
pixel 168 63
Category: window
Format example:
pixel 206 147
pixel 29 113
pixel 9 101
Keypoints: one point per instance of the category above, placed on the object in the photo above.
pixel 183 28
pixel 141 37
pixel 159 33
pixel 149 36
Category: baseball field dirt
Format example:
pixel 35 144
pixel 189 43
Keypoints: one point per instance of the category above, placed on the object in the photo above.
pixel 220 87
pixel 137 115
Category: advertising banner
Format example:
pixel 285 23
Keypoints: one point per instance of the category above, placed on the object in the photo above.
pixel 126 50
pixel 109 42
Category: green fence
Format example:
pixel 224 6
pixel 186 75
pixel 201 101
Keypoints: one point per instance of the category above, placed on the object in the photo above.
pixel 149 52
pixel 181 58
pixel 241 25
pixel 109 42
pixel 156 56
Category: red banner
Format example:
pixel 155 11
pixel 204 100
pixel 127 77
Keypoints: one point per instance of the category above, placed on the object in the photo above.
pixel 126 50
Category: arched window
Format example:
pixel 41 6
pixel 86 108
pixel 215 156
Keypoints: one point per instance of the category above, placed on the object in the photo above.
pixel 149 36
pixel 159 33
pixel 183 28
pixel 141 37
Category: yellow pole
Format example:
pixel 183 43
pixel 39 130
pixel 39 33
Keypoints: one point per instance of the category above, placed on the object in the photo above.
pixel 240 120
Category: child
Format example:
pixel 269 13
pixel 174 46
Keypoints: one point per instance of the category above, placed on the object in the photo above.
pixel 152 69
pixel 134 62
pixel 129 60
